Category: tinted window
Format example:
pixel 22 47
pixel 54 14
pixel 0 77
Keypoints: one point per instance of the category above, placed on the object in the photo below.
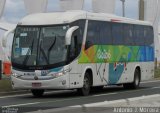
pixel 93 34
pixel 139 35
pixel 105 33
pixel 128 34
pixel 117 33
pixel 148 35
pixel 99 33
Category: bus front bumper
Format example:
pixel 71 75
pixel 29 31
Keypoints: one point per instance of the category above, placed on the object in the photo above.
pixel 56 83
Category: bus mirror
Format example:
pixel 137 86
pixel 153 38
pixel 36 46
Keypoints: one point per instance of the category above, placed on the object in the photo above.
pixel 69 34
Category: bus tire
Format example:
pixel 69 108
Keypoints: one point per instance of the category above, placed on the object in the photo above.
pixel 135 84
pixel 85 90
pixel 37 92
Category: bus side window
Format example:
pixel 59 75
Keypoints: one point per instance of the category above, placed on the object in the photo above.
pixel 117 33
pixel 139 35
pixel 73 47
pixel 105 33
pixel 128 34
pixel 148 35
pixel 92 34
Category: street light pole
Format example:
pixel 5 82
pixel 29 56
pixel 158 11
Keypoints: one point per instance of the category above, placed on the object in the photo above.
pixel 123 7
pixel 141 10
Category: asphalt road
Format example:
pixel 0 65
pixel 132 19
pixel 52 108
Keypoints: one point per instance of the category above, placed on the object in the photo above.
pixel 58 99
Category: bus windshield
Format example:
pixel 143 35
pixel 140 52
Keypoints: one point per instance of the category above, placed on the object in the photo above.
pixel 39 46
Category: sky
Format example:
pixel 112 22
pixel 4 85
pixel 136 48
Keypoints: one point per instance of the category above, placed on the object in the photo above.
pixel 15 9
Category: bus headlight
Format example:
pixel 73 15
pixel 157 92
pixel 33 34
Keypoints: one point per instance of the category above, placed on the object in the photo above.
pixel 55 75
pixel 16 75
pixel 59 74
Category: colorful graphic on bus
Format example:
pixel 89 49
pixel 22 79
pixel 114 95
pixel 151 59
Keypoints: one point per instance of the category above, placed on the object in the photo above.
pixel 112 53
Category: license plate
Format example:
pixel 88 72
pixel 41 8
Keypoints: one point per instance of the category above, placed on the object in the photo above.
pixel 36 85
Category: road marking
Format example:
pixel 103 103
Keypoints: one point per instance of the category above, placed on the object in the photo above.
pixel 15 96
pixel 18 105
pixel 155 87
pixel 76 98
pixel 25 104
pixel 104 94
pixel 122 101
pixel 21 91
pixel 29 94
pixel 153 81
pixel 118 103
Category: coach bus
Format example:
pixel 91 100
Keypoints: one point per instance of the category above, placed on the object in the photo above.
pixel 81 50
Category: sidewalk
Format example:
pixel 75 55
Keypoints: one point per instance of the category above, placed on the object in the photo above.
pixel 144 104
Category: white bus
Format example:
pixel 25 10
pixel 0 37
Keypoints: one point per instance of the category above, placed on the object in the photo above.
pixel 81 50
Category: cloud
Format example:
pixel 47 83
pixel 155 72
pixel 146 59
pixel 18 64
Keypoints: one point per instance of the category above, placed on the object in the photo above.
pixel 15 9
pixel 53 5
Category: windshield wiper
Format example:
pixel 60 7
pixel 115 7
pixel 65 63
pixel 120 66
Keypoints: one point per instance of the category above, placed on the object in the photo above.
pixel 49 50
pixel 29 50
pixel 42 50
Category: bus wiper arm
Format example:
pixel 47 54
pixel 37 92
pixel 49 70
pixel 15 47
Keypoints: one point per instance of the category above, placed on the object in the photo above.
pixel 49 50
pixel 42 50
pixel 27 56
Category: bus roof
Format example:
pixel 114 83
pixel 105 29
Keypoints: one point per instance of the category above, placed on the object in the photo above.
pixel 70 16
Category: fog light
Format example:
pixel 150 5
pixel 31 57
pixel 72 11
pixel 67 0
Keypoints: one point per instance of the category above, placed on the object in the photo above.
pixel 12 83
pixel 63 82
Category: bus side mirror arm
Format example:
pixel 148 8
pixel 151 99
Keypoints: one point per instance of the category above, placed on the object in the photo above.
pixel 69 34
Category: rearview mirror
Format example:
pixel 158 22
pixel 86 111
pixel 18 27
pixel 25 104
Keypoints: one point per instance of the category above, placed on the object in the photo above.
pixel 69 34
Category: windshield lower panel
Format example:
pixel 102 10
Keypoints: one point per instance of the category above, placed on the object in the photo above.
pixel 39 47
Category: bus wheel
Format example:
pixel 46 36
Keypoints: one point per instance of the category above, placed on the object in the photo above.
pixel 85 90
pixel 135 84
pixel 37 92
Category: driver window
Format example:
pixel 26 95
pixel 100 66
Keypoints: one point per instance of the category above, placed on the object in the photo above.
pixel 72 48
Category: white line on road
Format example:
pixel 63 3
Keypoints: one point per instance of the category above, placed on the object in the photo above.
pixel 29 94
pixel 155 87
pixel 153 81
pixel 14 96
pixel 21 91
pixel 104 94
pixel 18 105
pixel 76 98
